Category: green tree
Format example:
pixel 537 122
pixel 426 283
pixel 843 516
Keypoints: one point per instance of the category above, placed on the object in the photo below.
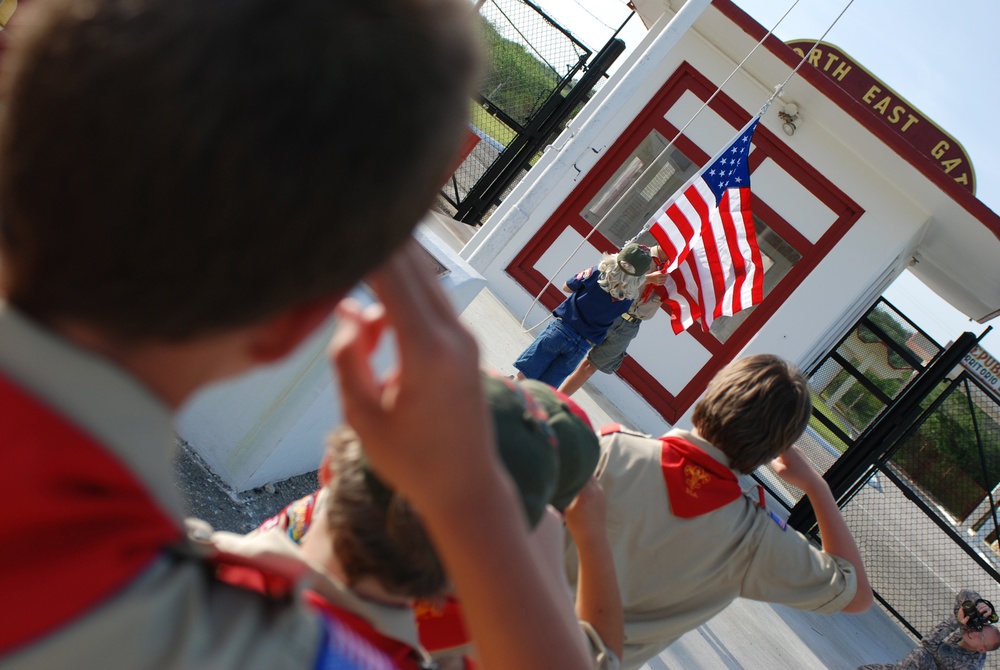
pixel 516 80
pixel 944 457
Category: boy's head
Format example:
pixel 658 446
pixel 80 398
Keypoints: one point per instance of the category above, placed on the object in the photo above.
pixel 170 168
pixel 634 259
pixel 622 275
pixel 376 534
pixel 753 410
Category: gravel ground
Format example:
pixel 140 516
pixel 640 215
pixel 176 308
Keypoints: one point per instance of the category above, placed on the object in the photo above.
pixel 210 499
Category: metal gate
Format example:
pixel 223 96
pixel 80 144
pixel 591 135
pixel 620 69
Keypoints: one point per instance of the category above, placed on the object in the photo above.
pixel 537 75
pixel 910 445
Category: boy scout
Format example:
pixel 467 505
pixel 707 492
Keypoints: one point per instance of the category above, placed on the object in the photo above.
pixel 178 182
pixel 686 541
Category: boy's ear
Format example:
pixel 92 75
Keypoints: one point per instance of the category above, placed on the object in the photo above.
pixel 279 335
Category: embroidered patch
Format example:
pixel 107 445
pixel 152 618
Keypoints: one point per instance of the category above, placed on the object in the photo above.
pixel 695 477
pixel 778 520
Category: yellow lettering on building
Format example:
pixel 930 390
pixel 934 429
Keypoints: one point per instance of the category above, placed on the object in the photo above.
pixel 830 60
pixel 814 57
pixel 882 105
pixel 798 51
pixel 951 164
pixel 841 71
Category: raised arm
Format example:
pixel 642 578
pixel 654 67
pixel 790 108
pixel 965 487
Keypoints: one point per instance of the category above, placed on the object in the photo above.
pixel 793 467
pixel 426 431
pixel 598 600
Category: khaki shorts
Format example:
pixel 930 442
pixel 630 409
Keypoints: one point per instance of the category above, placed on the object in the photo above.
pixel 609 354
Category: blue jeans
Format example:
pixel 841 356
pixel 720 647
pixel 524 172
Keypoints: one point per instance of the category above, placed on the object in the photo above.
pixel 553 355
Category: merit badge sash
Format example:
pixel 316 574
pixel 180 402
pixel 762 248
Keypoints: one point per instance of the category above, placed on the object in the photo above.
pixel 696 483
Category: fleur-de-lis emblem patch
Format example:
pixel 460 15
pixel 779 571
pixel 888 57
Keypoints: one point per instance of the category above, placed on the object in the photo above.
pixel 695 477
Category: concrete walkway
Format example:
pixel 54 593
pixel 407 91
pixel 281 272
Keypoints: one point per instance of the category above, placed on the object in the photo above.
pixel 748 635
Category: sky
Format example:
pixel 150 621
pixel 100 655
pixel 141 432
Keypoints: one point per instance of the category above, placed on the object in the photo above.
pixel 940 56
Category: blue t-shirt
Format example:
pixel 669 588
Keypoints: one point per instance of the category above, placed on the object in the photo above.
pixel 590 310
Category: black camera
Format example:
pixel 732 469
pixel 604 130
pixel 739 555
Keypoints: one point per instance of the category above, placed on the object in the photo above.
pixel 977 620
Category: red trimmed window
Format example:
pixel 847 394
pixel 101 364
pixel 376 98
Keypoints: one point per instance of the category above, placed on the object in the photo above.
pixel 629 185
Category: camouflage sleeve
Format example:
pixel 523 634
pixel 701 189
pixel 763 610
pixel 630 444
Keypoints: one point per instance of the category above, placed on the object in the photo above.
pixel 939 634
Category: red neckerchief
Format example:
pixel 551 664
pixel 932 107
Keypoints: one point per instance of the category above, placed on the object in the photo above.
pixel 696 483
pixel 441 627
pixel 648 290
pixel 79 527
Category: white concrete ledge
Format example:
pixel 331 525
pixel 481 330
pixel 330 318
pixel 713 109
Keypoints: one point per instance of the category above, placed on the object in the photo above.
pixel 270 424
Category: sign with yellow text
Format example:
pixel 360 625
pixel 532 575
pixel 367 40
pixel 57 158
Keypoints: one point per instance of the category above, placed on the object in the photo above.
pixel 892 109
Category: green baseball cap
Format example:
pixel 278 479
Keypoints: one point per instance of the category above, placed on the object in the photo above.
pixel 525 441
pixel 579 448
pixel 544 439
pixel 634 259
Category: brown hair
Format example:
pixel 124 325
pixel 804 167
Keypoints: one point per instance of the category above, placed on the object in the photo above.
pixel 753 410
pixel 174 167
pixel 376 532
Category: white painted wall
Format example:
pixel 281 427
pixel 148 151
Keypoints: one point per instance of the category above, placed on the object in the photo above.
pixel 270 424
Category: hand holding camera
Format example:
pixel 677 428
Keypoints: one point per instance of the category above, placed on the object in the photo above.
pixel 977 614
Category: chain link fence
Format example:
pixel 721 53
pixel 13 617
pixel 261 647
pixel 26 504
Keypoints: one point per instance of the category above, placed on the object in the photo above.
pixel 530 59
pixel 926 522
pixel 924 515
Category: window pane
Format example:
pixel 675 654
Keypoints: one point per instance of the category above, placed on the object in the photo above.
pixel 653 174
pixel 779 257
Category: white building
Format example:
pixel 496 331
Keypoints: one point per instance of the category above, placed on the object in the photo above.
pixel 864 187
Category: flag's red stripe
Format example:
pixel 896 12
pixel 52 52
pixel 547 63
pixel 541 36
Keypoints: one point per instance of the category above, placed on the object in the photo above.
pixel 730 298
pixel 715 264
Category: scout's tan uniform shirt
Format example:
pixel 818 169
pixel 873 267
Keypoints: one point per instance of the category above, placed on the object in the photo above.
pixel 172 615
pixel 644 310
pixel 675 574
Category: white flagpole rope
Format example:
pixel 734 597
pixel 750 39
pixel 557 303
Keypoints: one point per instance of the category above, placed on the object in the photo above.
pixel 781 87
pixel 631 189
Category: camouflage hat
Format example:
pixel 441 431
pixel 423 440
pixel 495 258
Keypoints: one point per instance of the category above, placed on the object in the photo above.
pixel 579 448
pixel 526 443
pixel 634 259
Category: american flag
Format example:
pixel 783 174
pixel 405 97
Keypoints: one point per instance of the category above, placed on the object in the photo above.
pixel 707 232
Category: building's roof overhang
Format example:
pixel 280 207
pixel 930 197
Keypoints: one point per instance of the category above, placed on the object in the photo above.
pixel 958 254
